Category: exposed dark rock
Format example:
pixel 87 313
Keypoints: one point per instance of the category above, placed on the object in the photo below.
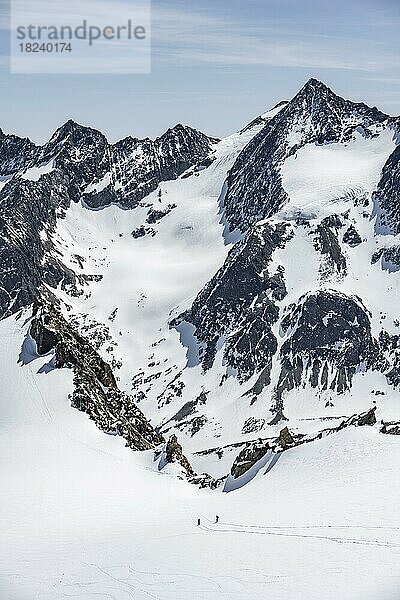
pixel 173 390
pixel 194 425
pixel 15 153
pixel 391 428
pixel 252 424
pixel 186 410
pixel 202 398
pixel 189 426
pixel 351 237
pixel 387 196
pixel 329 339
pixel 238 305
pixel 263 380
pixel 45 339
pixel 154 216
pixel 95 389
pixel 285 439
pixel 255 450
pixel 174 453
pixel 314 115
pixel 327 243
pixel 207 481
pixel 389 257
pixel 143 164
pixel 27 209
pixel 251 453
pixel 390 344
pixel 279 417
pixel 367 418
pixel 142 231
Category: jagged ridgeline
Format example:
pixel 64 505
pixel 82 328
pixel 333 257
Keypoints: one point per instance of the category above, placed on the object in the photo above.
pixel 38 185
pixel 76 165
pixel 286 236
pixel 314 335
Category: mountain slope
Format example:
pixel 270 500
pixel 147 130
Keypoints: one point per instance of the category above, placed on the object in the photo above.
pixel 237 293
pixel 221 334
pixel 230 310
pixel 81 515
pixel 76 165
pixel 314 116
pixel 290 326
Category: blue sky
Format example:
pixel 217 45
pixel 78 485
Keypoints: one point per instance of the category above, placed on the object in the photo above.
pixel 216 64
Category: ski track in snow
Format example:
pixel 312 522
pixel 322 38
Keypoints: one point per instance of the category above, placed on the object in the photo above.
pixel 83 517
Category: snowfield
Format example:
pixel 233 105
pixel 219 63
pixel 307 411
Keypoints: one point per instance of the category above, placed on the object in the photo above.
pixel 151 277
pixel 35 173
pixel 318 178
pixel 83 517
pixel 148 281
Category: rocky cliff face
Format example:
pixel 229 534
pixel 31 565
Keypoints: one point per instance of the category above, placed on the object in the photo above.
pixel 315 115
pixel 327 329
pixel 387 196
pixel 238 307
pixel 29 211
pixel 140 165
pixel 95 389
pixel 15 153
pixel 302 316
pixel 77 164
pixel 327 340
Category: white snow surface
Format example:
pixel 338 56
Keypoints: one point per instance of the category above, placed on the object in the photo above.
pixel 318 178
pixel 4 179
pixel 150 280
pixel 35 173
pixel 99 186
pixel 83 517
pixel 274 111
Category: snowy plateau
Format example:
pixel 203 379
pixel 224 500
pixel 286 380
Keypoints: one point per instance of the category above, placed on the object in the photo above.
pixel 194 328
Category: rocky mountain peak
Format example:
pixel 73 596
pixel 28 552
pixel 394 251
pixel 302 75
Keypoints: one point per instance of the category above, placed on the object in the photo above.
pixel 184 134
pixel 279 324
pixel 316 115
pixel 74 134
pixel 316 86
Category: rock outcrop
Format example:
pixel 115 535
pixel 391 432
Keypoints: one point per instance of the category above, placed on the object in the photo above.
pixel 328 339
pixel 255 450
pixel 237 308
pixel 76 165
pixel 314 115
pixel 387 196
pixel 174 454
pixel 95 389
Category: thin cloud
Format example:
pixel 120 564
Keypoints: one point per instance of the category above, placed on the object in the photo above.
pixel 197 38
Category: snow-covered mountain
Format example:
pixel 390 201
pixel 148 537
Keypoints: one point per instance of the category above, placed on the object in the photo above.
pixel 220 305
